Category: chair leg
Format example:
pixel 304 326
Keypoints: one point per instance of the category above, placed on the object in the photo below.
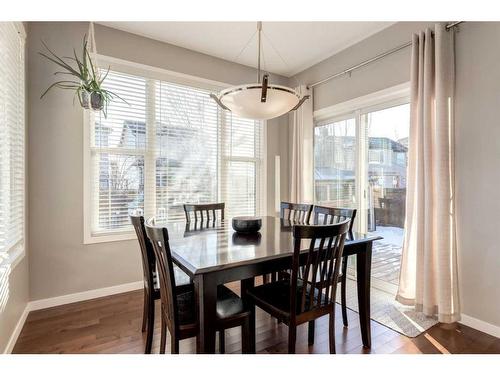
pixel 331 332
pixel 310 333
pixel 163 339
pixel 292 336
pixel 343 282
pixel 145 311
pixel 246 337
pixel 174 344
pixel 222 342
pixel 150 326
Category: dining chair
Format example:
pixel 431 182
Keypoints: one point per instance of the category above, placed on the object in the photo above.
pixel 178 303
pixel 204 211
pixel 299 213
pixel 330 215
pixel 292 213
pixel 310 291
pixel 151 285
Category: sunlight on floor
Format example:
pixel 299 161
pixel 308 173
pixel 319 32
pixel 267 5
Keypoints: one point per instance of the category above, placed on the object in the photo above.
pixel 436 344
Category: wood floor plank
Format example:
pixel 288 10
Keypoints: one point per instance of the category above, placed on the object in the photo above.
pixel 112 325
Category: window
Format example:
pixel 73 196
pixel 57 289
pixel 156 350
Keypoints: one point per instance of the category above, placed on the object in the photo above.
pixel 12 135
pixel 360 162
pixel 169 144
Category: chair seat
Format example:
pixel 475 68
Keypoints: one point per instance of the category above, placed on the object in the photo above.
pixel 228 305
pixel 276 296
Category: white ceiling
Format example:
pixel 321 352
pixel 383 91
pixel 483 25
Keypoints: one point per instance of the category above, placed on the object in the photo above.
pixel 300 44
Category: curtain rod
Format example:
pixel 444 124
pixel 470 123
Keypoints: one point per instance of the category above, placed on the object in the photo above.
pixel 369 61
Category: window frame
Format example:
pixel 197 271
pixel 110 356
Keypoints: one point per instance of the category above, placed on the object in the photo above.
pixel 155 73
pixel 12 256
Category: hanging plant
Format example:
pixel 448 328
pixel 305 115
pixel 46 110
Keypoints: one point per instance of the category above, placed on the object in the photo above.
pixel 84 78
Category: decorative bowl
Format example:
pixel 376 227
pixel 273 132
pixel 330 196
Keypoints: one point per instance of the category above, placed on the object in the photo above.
pixel 247 224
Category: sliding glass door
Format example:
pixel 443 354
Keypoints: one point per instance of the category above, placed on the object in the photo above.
pixel 360 162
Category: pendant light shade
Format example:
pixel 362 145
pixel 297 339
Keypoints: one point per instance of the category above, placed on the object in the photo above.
pixel 245 101
pixel 262 100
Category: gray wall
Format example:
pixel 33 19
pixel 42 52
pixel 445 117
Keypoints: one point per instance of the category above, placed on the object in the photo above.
pixel 387 72
pixel 60 263
pixel 477 139
pixel 477 114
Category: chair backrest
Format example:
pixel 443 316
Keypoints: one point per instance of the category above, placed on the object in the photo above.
pixel 147 252
pixel 331 215
pixel 204 211
pixel 321 267
pixel 296 212
pixel 159 240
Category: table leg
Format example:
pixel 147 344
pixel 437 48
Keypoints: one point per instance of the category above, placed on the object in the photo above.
pixel 363 268
pixel 206 300
pixel 250 347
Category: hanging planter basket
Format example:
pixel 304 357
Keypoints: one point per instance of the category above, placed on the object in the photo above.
pixel 84 97
pixel 85 77
pixel 97 101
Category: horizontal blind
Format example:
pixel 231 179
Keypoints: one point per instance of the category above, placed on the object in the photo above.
pixel 165 145
pixel 186 157
pixel 119 144
pixel 12 136
pixel 241 165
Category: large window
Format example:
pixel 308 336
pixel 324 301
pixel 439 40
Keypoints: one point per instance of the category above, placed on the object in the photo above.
pixel 12 141
pixel 165 145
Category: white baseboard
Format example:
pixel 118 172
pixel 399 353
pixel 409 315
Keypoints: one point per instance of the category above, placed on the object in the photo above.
pixel 480 325
pixel 83 296
pixel 17 331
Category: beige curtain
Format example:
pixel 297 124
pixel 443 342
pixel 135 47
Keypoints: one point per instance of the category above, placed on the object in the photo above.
pixel 301 189
pixel 428 278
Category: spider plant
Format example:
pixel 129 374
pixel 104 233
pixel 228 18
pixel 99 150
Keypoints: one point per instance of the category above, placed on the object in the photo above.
pixel 85 79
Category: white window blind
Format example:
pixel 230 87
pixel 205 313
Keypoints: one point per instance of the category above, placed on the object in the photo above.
pixel 12 144
pixel 168 145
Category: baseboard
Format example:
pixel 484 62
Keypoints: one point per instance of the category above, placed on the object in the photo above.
pixel 17 331
pixel 480 325
pixel 83 296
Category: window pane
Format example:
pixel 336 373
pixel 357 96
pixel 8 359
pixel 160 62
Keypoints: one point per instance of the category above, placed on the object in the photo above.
pixel 187 149
pixel 119 188
pixel 125 124
pixel 239 188
pixel 241 136
pixel 335 163
pixel 387 145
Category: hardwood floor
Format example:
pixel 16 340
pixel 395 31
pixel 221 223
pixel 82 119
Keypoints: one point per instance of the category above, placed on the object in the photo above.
pixel 113 325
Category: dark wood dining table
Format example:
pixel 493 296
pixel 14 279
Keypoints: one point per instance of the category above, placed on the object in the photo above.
pixel 217 255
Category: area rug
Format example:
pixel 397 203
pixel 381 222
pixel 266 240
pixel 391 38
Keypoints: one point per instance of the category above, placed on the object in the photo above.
pixel 385 310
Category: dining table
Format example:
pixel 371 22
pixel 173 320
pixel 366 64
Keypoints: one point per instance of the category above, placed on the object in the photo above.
pixel 212 254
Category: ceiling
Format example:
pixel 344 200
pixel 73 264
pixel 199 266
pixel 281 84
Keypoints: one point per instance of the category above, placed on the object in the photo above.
pixel 300 44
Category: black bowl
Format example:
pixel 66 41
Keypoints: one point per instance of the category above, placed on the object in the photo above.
pixel 247 224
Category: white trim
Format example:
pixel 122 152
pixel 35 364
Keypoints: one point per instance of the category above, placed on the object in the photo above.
pixel 480 325
pixel 17 331
pixel 83 296
pixel 372 99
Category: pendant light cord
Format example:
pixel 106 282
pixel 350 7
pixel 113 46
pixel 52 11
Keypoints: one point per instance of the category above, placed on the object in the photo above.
pixel 279 55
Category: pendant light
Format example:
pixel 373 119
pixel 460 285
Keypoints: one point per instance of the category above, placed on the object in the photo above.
pixel 262 100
